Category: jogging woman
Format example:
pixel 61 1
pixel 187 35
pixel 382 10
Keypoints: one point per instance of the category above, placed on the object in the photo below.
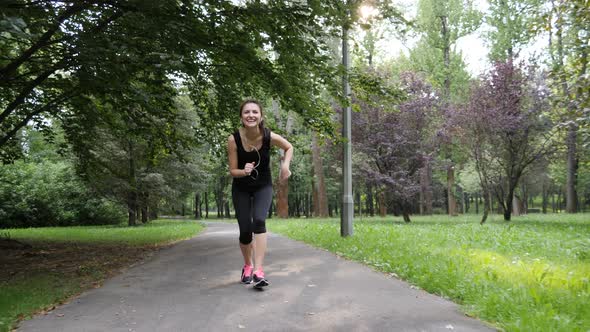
pixel 248 151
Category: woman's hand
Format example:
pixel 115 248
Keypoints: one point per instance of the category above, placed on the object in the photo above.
pixel 285 173
pixel 248 168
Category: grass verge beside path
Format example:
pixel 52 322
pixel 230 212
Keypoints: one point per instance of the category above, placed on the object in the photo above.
pixel 65 261
pixel 530 274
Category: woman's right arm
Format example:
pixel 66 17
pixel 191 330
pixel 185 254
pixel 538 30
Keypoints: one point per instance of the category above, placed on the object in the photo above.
pixel 232 157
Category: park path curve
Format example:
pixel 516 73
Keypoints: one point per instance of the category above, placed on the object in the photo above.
pixel 193 286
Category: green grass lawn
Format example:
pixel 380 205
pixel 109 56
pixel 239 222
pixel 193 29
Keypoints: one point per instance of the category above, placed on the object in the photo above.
pixel 156 232
pixel 530 274
pixel 65 261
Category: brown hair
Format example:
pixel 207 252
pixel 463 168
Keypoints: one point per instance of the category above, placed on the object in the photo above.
pixel 254 101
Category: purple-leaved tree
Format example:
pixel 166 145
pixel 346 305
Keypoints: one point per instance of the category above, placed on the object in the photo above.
pixel 504 130
pixel 392 140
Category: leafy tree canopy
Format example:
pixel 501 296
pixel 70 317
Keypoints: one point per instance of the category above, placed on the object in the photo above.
pixel 443 22
pixel 512 25
pixel 59 57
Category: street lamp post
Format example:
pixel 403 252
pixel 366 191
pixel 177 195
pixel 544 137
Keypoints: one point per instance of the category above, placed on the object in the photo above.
pixel 346 228
pixel 346 217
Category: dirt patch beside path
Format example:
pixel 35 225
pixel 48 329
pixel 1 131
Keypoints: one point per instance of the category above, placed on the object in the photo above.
pixel 84 265
pixel 70 259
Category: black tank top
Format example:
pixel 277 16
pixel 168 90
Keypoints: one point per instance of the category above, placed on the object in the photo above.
pixel 247 183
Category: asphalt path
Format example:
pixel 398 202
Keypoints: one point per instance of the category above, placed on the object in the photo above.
pixel 194 286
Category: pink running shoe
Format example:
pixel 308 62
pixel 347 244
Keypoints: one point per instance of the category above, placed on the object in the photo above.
pixel 247 274
pixel 259 280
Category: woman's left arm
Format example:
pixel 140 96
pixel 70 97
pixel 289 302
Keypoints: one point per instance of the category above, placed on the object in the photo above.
pixel 282 143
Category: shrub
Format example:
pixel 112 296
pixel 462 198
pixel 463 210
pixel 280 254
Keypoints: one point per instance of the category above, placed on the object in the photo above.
pixel 50 194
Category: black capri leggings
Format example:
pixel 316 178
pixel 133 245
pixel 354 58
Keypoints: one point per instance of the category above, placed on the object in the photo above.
pixel 251 210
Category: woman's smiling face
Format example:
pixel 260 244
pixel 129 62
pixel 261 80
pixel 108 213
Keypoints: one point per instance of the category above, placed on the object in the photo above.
pixel 251 115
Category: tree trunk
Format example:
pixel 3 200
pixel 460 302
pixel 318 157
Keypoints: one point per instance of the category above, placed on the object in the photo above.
pixel 426 189
pixel 314 199
pixel 295 208
pixel 304 205
pixel 282 193
pixel 142 206
pixel 369 201
pixel 132 207
pixel 132 194
pixel 524 201
pixel 477 204
pixel 320 202
pixel 507 214
pixel 446 57
pixel 153 212
pixel 219 204
pixel 206 205
pixel 197 206
pixel 359 205
pixel 516 206
pixel 571 140
pixel 406 214
pixel 269 215
pixel 545 194
pixel 461 199
pixel 382 207
pixel 227 212
pixel 509 199
pixel 220 196
pixel 572 170
pixel 452 204
pixel 486 206
pixel 283 199
pixel 308 205
pixel 200 207
pixel 422 208
pixel 144 214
